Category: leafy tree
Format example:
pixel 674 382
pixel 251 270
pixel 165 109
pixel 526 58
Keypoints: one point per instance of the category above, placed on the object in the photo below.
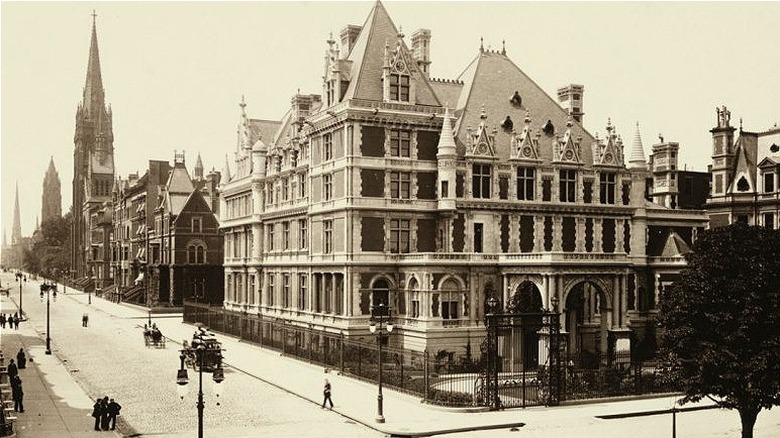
pixel 721 322
pixel 49 252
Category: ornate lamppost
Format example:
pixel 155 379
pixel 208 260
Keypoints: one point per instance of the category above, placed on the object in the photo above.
pixel 218 375
pixel 47 287
pixel 19 278
pixel 380 314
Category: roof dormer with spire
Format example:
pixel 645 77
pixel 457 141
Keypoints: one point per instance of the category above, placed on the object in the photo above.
pixel 482 140
pixel 525 146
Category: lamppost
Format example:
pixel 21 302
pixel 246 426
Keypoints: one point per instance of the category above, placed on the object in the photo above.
pixel 46 287
pixel 89 290
pixel 218 375
pixel 380 313
pixel 19 278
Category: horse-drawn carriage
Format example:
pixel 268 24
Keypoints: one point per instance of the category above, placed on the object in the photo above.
pixel 204 350
pixel 153 337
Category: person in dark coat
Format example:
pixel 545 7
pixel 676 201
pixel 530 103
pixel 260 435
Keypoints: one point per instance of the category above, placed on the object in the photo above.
pixel 104 413
pixel 2 320
pixel 97 412
pixel 17 393
pixel 12 370
pixel 326 395
pixel 21 359
pixel 16 321
pixel 113 411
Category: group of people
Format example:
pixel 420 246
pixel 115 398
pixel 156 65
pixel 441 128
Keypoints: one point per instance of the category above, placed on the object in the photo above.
pixel 12 320
pixel 105 411
pixel 17 393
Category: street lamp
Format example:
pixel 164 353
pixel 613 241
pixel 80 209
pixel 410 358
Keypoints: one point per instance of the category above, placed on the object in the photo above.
pixel 380 313
pixel 218 375
pixel 45 287
pixel 19 277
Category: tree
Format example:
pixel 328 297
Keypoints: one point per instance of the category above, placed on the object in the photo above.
pixel 49 251
pixel 721 322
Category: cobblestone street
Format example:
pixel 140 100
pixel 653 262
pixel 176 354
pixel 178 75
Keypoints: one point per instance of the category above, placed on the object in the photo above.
pixel 109 358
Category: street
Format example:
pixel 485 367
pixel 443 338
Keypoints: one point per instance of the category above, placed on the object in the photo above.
pixel 109 358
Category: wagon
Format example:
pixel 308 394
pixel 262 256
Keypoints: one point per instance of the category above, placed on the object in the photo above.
pixel 211 351
pixel 153 338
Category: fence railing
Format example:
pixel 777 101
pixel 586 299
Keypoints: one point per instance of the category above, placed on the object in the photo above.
pixel 441 378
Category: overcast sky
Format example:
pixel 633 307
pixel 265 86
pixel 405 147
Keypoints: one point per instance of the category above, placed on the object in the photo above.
pixel 174 73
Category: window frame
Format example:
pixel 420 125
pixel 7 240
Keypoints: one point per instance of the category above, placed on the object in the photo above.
pixel 481 180
pixel 526 183
pixel 400 235
pixel 567 179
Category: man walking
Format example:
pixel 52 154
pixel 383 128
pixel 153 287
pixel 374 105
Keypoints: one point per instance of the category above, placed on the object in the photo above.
pixel 84 320
pixel 16 321
pixel 113 411
pixel 17 394
pixel 326 395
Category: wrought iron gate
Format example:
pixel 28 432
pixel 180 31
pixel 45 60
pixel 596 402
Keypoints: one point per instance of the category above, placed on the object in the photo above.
pixel 512 377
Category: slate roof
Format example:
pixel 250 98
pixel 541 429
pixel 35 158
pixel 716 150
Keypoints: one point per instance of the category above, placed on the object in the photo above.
pixel 179 180
pixel 367 58
pixel 447 91
pixel 262 129
pixel 675 246
pixel 491 80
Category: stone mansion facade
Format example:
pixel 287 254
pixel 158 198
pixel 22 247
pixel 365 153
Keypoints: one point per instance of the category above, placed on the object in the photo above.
pixel 432 196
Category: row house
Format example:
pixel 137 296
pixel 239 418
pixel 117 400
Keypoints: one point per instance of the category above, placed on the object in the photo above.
pixel 432 196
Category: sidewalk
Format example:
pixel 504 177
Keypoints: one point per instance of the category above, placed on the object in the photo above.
pixel 55 406
pixel 356 400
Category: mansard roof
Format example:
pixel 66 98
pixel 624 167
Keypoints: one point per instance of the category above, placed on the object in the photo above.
pixel 368 58
pixel 179 180
pixel 262 130
pixel 491 79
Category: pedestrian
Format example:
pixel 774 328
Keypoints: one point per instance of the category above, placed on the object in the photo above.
pixel 17 393
pixel 21 359
pixel 2 320
pixel 12 369
pixel 84 320
pixel 104 413
pixel 97 412
pixel 113 411
pixel 16 321
pixel 326 394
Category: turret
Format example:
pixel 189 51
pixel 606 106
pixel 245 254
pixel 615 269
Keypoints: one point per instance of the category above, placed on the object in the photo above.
pixel 722 152
pixel 446 157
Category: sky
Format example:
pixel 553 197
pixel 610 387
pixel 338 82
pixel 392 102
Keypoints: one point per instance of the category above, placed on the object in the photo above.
pixel 174 73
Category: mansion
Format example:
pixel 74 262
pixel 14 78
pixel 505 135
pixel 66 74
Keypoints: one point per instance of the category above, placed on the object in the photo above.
pixel 432 196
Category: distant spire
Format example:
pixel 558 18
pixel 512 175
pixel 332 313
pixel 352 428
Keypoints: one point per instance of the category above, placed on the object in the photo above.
pixel 481 44
pixel 637 158
pixel 16 231
pixel 198 169
pixel 503 47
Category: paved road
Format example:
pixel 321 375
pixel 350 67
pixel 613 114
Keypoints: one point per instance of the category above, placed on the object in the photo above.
pixel 109 358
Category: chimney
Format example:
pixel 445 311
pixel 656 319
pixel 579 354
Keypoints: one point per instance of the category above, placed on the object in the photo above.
pixel 348 37
pixel 421 49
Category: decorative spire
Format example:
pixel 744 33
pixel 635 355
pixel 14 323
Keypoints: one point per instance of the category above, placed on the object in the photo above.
pixel 226 173
pixel 503 47
pixel 16 231
pixel 446 145
pixel 481 44
pixel 637 158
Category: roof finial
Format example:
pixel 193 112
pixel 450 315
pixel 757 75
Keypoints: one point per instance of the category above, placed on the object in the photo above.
pixel 527 117
pixel 481 45
pixel 94 15
pixel 660 136
pixel 503 47
pixel 400 32
pixel 483 115
pixel 740 124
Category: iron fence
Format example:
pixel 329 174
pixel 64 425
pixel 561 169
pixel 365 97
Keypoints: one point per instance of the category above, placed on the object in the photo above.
pixel 444 378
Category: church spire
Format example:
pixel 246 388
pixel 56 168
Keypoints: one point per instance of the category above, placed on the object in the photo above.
pixel 94 99
pixel 198 170
pixel 16 231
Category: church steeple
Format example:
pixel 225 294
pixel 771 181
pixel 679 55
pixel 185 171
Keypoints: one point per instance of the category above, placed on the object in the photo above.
pixel 94 95
pixel 16 231
pixel 51 202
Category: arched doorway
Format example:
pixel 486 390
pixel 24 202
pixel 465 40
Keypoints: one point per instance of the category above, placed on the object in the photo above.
pixel 586 320
pixel 527 299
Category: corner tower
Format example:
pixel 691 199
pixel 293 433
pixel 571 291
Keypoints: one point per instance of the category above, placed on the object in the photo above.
pixel 93 157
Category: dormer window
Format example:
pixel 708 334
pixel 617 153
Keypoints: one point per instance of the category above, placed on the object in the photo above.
pixel 769 182
pixel 399 87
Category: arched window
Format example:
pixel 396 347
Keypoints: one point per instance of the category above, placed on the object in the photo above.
pixel 196 254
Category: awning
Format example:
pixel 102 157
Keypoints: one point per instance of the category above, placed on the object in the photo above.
pixel 139 279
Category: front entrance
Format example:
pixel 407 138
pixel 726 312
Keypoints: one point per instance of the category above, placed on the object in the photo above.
pixel 587 314
pixel 513 376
